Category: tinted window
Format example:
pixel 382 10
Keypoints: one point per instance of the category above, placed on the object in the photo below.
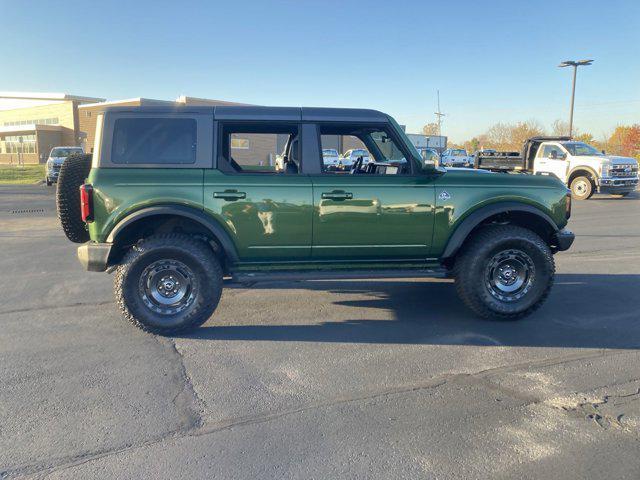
pixel 162 141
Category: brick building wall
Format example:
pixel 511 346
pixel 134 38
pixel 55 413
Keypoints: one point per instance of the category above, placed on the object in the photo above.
pixel 260 148
pixel 64 111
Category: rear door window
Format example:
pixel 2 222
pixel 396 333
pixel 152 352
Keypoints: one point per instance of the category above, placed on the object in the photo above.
pixel 154 141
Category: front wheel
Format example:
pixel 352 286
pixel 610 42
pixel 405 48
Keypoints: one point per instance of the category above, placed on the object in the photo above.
pixel 581 188
pixel 168 283
pixel 505 272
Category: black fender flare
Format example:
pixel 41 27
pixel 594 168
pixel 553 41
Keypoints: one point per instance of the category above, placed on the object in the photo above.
pixel 181 211
pixel 474 219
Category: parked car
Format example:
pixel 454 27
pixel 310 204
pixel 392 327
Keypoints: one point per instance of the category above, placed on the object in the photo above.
pixel 583 168
pixel 350 156
pixel 171 231
pixel 455 157
pixel 330 158
pixel 57 156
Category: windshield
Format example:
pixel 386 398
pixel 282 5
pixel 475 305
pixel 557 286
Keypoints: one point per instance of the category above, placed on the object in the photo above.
pixel 459 153
pixel 580 149
pixel 64 152
pixel 329 152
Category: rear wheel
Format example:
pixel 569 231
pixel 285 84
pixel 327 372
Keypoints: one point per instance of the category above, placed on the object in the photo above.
pixel 168 284
pixel 582 188
pixel 505 272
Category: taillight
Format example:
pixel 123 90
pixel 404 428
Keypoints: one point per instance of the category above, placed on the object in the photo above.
pixel 568 206
pixel 86 203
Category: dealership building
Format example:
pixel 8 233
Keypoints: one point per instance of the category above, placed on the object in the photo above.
pixel 31 123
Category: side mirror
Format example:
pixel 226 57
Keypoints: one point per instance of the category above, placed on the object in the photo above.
pixel 603 152
pixel 553 155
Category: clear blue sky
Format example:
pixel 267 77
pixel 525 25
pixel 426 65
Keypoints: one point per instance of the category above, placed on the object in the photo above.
pixel 492 60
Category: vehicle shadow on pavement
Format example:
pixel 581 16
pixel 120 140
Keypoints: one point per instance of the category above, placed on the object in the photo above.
pixel 583 311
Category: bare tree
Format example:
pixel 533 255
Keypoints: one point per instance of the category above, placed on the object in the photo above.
pixel 503 136
pixel 498 136
pixel 430 129
pixel 560 128
pixel 523 130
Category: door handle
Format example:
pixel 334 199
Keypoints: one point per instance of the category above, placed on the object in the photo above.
pixel 230 195
pixel 337 195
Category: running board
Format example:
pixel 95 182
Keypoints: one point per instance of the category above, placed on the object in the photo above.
pixel 310 275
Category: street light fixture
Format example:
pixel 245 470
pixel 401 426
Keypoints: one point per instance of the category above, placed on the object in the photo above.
pixel 575 65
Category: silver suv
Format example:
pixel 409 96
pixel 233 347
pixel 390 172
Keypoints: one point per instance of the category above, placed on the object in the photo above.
pixel 56 158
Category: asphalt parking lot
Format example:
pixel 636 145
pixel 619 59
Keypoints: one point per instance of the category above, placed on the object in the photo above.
pixel 330 379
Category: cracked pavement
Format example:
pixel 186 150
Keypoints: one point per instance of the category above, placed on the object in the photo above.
pixel 327 379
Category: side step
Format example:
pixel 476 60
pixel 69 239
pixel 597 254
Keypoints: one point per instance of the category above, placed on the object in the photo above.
pixel 309 275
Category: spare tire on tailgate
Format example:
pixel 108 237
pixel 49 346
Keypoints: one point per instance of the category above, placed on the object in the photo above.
pixel 73 173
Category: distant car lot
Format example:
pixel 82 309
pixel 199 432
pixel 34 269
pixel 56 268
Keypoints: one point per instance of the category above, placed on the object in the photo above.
pixel 320 379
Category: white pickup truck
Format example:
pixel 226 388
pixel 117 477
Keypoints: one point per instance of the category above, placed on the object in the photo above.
pixel 455 157
pixel 584 169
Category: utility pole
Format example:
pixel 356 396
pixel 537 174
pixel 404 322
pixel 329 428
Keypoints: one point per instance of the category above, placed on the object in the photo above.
pixel 439 116
pixel 575 65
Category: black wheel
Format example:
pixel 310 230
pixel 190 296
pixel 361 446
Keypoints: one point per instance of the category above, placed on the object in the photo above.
pixel 505 272
pixel 168 283
pixel 581 188
pixel 73 173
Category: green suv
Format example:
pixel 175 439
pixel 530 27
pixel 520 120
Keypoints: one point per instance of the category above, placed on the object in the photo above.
pixel 176 200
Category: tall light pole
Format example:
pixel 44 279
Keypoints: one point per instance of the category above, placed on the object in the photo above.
pixel 439 116
pixel 575 65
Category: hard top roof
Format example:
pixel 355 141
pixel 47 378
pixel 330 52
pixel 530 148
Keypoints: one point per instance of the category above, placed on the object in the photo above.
pixel 237 112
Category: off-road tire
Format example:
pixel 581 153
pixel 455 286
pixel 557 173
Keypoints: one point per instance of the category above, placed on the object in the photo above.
pixel 191 252
pixel 582 188
pixel 473 261
pixel 73 173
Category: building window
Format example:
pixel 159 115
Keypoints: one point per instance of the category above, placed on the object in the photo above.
pixel 87 113
pixel 13 144
pixel 240 143
pixel 37 121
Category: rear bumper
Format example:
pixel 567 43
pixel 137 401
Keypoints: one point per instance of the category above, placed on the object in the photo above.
pixel 563 239
pixel 94 256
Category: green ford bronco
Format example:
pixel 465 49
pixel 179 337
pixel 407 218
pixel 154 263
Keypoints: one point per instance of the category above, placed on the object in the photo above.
pixel 178 200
